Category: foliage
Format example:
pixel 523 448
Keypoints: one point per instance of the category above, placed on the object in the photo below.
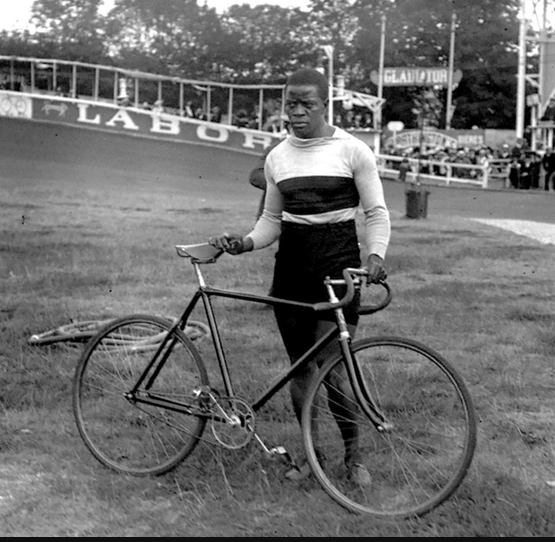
pixel 73 28
pixel 262 44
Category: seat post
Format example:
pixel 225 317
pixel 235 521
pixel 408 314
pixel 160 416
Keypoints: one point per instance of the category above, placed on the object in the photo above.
pixel 198 272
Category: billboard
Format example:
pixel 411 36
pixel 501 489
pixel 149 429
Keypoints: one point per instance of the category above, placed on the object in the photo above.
pixel 13 104
pixel 415 77
pixel 133 121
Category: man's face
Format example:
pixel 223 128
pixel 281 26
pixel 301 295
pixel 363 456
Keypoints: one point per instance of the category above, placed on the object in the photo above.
pixel 305 110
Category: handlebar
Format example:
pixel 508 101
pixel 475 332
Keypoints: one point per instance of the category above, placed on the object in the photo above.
pixel 371 309
pixel 349 295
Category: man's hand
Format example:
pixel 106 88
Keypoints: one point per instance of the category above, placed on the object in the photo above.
pixel 232 243
pixel 376 269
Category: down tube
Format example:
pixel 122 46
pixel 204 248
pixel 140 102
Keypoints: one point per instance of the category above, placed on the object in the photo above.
pixel 287 375
pixel 181 323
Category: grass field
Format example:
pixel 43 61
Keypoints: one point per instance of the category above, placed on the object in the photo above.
pixel 80 242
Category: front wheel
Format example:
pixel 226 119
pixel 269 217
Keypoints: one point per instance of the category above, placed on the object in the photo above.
pixel 132 436
pixel 420 459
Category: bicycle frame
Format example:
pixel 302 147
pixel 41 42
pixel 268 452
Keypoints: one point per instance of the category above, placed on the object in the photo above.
pixel 339 331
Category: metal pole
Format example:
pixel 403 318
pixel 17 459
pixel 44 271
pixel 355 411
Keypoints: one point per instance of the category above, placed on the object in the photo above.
pixel 96 84
pixel 181 99
pixel 521 81
pixel 74 82
pixel 330 86
pixel 543 46
pixel 450 73
pixel 260 108
pixel 230 107
pixel 378 113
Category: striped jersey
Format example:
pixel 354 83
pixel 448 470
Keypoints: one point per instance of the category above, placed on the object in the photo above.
pixel 323 180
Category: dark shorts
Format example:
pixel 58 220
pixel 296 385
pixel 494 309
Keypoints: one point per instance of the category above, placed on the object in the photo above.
pixel 306 256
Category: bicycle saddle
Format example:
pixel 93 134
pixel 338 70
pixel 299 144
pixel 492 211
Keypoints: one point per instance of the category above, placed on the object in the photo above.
pixel 200 252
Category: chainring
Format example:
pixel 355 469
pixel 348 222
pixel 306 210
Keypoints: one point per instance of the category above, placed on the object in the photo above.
pixel 236 428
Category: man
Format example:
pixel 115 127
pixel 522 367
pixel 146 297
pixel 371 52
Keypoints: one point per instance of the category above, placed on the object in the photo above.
pixel 316 179
pixel 548 163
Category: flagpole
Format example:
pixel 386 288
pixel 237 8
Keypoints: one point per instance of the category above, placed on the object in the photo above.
pixel 378 113
pixel 448 112
pixel 521 77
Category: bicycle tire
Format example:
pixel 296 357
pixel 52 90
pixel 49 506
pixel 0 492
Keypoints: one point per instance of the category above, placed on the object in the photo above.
pixel 127 436
pixel 416 464
pixel 76 332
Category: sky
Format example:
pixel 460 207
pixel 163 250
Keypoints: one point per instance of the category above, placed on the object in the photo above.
pixel 15 14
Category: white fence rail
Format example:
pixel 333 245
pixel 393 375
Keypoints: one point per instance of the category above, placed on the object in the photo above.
pixel 492 174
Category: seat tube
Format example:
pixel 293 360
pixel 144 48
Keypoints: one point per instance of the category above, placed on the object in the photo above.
pixel 217 341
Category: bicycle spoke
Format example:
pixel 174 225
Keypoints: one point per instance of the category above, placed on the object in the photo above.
pixel 421 459
pixel 128 435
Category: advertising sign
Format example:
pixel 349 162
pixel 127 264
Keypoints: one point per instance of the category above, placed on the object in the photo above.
pixel 148 123
pixel 416 77
pixel 433 139
pixel 15 104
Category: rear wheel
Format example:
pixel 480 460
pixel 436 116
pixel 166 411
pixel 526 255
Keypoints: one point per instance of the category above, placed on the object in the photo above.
pixel 127 435
pixel 420 459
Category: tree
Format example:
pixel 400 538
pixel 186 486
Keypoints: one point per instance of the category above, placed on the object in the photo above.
pixel 263 44
pixel 418 34
pixel 175 37
pixel 75 27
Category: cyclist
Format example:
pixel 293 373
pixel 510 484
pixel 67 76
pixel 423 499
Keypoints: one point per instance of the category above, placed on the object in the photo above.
pixel 316 179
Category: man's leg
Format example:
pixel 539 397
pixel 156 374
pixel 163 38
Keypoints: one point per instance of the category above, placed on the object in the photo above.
pixel 340 396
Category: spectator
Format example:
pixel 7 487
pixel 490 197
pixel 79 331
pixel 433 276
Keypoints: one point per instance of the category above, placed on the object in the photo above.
pixel 241 119
pixel 525 172
pixel 189 110
pixel 404 168
pixel 548 164
pixel 216 114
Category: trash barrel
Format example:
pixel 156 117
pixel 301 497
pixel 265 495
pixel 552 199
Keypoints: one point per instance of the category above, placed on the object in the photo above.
pixel 417 202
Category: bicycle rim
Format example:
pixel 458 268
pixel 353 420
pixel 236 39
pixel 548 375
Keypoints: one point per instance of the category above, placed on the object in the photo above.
pixel 416 464
pixel 129 436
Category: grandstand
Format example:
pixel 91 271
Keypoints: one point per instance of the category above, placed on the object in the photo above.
pixel 240 118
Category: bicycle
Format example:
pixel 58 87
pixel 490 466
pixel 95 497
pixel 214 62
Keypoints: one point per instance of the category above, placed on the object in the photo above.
pixel 144 414
pixel 77 333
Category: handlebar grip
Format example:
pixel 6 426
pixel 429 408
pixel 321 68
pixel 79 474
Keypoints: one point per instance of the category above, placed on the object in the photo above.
pixel 370 309
pixel 344 301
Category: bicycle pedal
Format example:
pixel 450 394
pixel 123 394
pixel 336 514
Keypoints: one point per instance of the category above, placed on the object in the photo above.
pixel 279 452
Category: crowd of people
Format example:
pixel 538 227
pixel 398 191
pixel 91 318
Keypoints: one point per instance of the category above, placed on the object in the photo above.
pixel 525 169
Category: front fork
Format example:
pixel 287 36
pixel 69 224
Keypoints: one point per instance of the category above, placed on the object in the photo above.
pixel 361 391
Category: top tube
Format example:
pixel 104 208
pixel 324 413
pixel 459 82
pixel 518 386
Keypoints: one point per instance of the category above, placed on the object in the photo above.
pixel 203 253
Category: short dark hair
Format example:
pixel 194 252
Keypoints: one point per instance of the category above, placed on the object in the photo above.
pixel 310 76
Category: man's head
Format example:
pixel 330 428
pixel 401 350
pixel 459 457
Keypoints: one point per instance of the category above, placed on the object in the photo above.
pixel 306 97
pixel 309 76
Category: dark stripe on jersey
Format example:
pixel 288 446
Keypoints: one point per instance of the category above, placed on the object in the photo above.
pixel 318 194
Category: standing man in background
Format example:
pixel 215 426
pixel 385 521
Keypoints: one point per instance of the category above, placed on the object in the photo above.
pixel 548 163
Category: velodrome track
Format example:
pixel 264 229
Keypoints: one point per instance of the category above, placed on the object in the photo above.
pixel 32 153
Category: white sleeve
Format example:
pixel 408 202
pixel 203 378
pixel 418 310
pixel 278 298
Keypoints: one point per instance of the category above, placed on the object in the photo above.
pixel 376 215
pixel 268 227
